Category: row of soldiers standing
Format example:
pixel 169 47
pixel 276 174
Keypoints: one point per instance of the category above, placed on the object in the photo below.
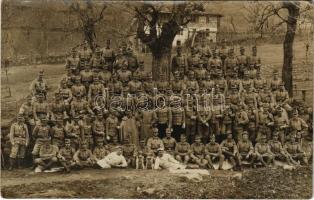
pixel 100 100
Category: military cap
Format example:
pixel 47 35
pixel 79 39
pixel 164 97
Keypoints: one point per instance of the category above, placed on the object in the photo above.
pixel 198 137
pixel 83 142
pixel 44 119
pixel 242 48
pixel 160 149
pixel 20 116
pixel 67 141
pixel 76 117
pixel 295 111
pixel 275 71
pixel 168 130
pixel 245 133
pixel 98 50
pixel 212 136
pixel 182 136
pixel 41 72
pixel 254 47
pixel 231 50
pixel 276 133
pixel 117 148
pixel 73 50
pixel 48 139
pixel 155 130
pixel 263 136
pixel 40 95
pixel 176 73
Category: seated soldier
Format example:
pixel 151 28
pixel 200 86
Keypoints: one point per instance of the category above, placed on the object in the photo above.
pixel 246 150
pixel 277 149
pixel 198 153
pixel 100 151
pixel 83 157
pixel 263 152
pixel 229 150
pixel 154 142
pixel 169 142
pixel 166 161
pixel 47 155
pixel 65 155
pixel 129 152
pixel 213 153
pixel 182 150
pixel 114 159
pixel 294 151
pixel 114 144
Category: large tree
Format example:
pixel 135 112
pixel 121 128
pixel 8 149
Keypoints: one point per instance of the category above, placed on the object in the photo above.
pixel 89 13
pixel 158 34
pixel 287 13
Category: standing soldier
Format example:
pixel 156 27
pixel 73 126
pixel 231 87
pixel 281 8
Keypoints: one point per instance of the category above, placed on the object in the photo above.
pixel 80 107
pixel 193 59
pixel 78 88
pixel 115 86
pixel 74 131
pixel 217 115
pixel 140 71
pixel 148 118
pixel 266 121
pixel 97 62
pixel 40 108
pixel 229 150
pixel 282 97
pixel 247 83
pixel 298 125
pixel 72 62
pixel 149 84
pixel 214 63
pixel 207 83
pixel 246 150
pixel 281 123
pixel 58 108
pixel 213 153
pixel 230 64
pixel 86 76
pixel 227 121
pixel 162 84
pixel 192 84
pixel 108 55
pixel 40 133
pixel 65 155
pixel 84 55
pixel 252 126
pixel 198 153
pixel 135 85
pixel 177 122
pixel 265 96
pixel 259 82
pixel 19 139
pixel 105 75
pixel 132 60
pixel 223 52
pixel 169 142
pixel 99 127
pixel 242 62
pixel 182 150
pixel 200 71
pixel 221 82
pixel 26 110
pixel 235 82
pixel 124 74
pixel 203 117
pixel 66 95
pixel 58 133
pixel 254 60
pixel 241 120
pixel 112 125
pixel 190 120
pixel 276 81
pixel 39 85
pixel 179 63
pixel 263 152
pixel 88 130
pixel 163 114
pixel 96 89
pixel 177 85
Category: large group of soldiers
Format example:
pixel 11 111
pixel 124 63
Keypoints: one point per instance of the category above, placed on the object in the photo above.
pixel 216 106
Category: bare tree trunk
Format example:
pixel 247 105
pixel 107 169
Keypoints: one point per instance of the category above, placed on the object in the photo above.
pixel 161 65
pixel 287 68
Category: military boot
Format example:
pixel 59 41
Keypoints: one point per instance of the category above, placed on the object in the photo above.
pixel 20 163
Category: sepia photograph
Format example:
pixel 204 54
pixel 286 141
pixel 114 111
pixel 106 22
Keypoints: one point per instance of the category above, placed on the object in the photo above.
pixel 156 99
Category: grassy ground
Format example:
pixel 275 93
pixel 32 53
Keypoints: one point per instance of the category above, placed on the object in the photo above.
pixel 115 183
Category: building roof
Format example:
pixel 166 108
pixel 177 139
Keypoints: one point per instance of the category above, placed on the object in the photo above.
pixel 204 13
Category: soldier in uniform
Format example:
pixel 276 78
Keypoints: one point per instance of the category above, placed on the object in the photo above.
pixel 207 83
pixel 214 63
pixel 84 157
pixel 213 153
pixel 177 122
pixel 86 76
pixel 95 89
pixel 297 124
pixel 39 85
pixel 58 133
pixel 294 151
pixel 115 86
pixel 135 85
pixel 235 82
pixel 169 142
pixel 277 149
pixel 203 119
pixel 263 152
pixel 246 82
pixel 229 150
pixel 87 129
pixel 223 52
pixel 40 133
pixel 246 150
pixel 221 82
pixel 276 81
pixel 108 55
pixel 99 127
pixel 112 125
pixel 66 95
pixel 74 131
pixel 163 114
pixel 265 96
pixel 78 88
pixel 140 71
pixel 47 155
pixel 282 97
pixel 252 125
pixel 100 151
pixel 192 84
pixel 190 120
pixel 149 85
pixel 193 59
pixel 216 116
pixel 182 150
pixel 230 64
pixel 72 62
pixel 84 55
pixel 259 82
pixel 80 107
pixel 97 62
pixel 162 84
pixel 266 120
pixel 65 156
pixel 26 110
pixel 242 62
pixel 227 121
pixel 241 120
pixel 19 139
pixel 129 152
pixel 179 63
pixel 124 74
pixel 105 75
pixel 281 123
pixel 177 85
pixel 254 60
pixel 200 71
pixel 197 153
pixel 154 142
pixel 58 108
pixel 40 108
pixel 132 60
